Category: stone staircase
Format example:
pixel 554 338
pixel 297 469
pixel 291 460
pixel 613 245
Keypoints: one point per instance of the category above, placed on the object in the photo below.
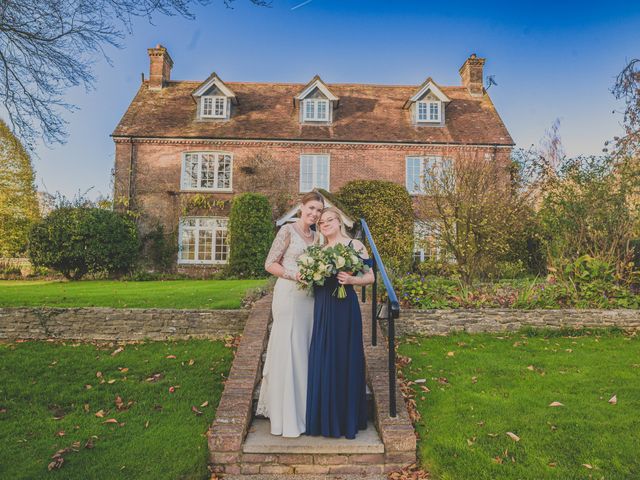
pixel 241 445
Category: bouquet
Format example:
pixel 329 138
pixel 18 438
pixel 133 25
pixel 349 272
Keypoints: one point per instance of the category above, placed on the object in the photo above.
pixel 344 258
pixel 314 267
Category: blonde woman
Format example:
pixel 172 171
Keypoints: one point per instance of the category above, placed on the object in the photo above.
pixel 336 391
pixel 283 392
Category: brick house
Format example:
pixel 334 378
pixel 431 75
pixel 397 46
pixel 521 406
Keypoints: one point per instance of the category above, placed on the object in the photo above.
pixel 182 147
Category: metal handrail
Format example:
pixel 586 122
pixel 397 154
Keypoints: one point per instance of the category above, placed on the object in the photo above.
pixel 393 312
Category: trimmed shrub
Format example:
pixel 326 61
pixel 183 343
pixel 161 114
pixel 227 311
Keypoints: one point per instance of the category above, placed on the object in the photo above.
pixel 80 240
pixel 250 235
pixel 387 208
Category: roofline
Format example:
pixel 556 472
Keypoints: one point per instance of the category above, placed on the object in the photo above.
pixel 297 140
pixel 351 84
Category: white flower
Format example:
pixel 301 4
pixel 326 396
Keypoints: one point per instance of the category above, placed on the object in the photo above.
pixel 340 261
pixel 317 276
pixel 305 259
pixel 354 259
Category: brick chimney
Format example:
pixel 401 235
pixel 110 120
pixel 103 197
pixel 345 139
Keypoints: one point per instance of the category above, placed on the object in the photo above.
pixel 472 74
pixel 160 67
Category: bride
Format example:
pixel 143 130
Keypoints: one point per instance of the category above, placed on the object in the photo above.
pixel 283 392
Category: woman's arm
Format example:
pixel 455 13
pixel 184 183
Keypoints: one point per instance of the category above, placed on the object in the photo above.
pixel 278 248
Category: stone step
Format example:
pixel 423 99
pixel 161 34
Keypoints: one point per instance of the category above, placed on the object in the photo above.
pixel 260 440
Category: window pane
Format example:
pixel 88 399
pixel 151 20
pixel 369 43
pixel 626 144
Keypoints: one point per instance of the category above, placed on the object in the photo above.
pixel 222 247
pixel 224 171
pixel 219 106
pixel 422 110
pixel 306 173
pixel 205 244
pixel 208 170
pixel 190 172
pixel 434 111
pixel 309 109
pixel 322 110
pixel 322 172
pixel 207 103
pixel 414 181
pixel 188 244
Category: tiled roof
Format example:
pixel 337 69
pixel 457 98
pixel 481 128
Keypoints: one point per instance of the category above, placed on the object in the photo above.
pixel 266 111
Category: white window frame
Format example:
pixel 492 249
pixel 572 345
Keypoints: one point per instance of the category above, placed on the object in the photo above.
pixel 182 228
pixel 411 159
pixel 315 181
pixel 184 186
pixel 214 99
pixel 427 105
pixel 315 102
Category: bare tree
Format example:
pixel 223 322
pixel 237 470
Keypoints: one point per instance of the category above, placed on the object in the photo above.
pixel 627 88
pixel 472 199
pixel 49 46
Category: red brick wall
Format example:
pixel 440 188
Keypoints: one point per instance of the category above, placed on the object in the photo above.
pixel 157 165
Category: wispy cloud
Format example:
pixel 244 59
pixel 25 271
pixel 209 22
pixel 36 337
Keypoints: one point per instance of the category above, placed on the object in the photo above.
pixel 301 4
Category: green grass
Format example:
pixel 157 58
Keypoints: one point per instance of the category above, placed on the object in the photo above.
pixel 196 294
pixel 40 381
pixel 465 419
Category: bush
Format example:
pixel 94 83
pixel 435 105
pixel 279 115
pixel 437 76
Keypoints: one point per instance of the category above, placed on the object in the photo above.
pixel 159 249
pixel 250 235
pixel 387 208
pixel 80 240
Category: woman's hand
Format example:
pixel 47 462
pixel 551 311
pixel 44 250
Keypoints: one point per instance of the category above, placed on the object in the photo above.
pixel 345 278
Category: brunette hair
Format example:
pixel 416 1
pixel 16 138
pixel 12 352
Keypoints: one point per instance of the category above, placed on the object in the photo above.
pixel 312 196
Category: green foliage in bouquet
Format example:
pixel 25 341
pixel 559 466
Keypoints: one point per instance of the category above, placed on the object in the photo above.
pixel 344 258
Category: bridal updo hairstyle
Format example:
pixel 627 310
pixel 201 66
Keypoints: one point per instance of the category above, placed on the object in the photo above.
pixel 312 196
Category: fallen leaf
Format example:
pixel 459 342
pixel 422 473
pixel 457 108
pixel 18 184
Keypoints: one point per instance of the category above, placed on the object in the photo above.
pixel 88 387
pixel 117 351
pixel 89 444
pixel 513 436
pixel 172 389
pixel 191 362
pixel 424 389
pixel 531 367
pixel 450 354
pixel 98 374
pixel 474 379
pixel 196 411
pixel 170 356
pixel 556 404
pixel 155 377
pixel 552 464
pixel 492 435
pixel 110 420
pixel 613 400
pixel 146 424
pixel 119 402
pixel 204 404
pixel 123 370
pixel 60 433
pixel 111 382
pixel 420 380
pixel 587 465
pixel 86 407
pixel 442 380
pixel 99 413
pixel 471 441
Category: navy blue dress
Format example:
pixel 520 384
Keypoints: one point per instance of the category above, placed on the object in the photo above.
pixel 336 385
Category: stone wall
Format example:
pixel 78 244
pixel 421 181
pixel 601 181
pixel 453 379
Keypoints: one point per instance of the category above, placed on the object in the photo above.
pixel 118 323
pixel 442 322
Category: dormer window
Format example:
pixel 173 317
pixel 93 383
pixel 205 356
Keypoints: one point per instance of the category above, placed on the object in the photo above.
pixel 316 110
pixel 214 107
pixel 316 103
pixel 427 105
pixel 214 99
pixel 428 111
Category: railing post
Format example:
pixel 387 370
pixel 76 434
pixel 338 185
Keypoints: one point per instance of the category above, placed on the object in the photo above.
pixel 392 359
pixel 374 305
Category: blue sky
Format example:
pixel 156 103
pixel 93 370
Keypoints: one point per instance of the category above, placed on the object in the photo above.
pixel 550 60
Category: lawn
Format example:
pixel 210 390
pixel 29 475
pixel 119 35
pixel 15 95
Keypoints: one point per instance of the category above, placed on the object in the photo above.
pixel 196 294
pixel 56 396
pixel 472 390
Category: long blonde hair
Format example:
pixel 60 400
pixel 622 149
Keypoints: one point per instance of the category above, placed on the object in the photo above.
pixel 343 229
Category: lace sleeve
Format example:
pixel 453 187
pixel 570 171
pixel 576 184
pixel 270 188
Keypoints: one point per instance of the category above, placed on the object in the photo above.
pixel 279 246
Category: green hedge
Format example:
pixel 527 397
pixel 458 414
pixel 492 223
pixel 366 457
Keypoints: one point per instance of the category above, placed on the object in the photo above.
pixel 80 240
pixel 387 208
pixel 250 235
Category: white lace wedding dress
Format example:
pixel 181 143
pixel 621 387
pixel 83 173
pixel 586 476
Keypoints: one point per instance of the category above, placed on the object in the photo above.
pixel 283 393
